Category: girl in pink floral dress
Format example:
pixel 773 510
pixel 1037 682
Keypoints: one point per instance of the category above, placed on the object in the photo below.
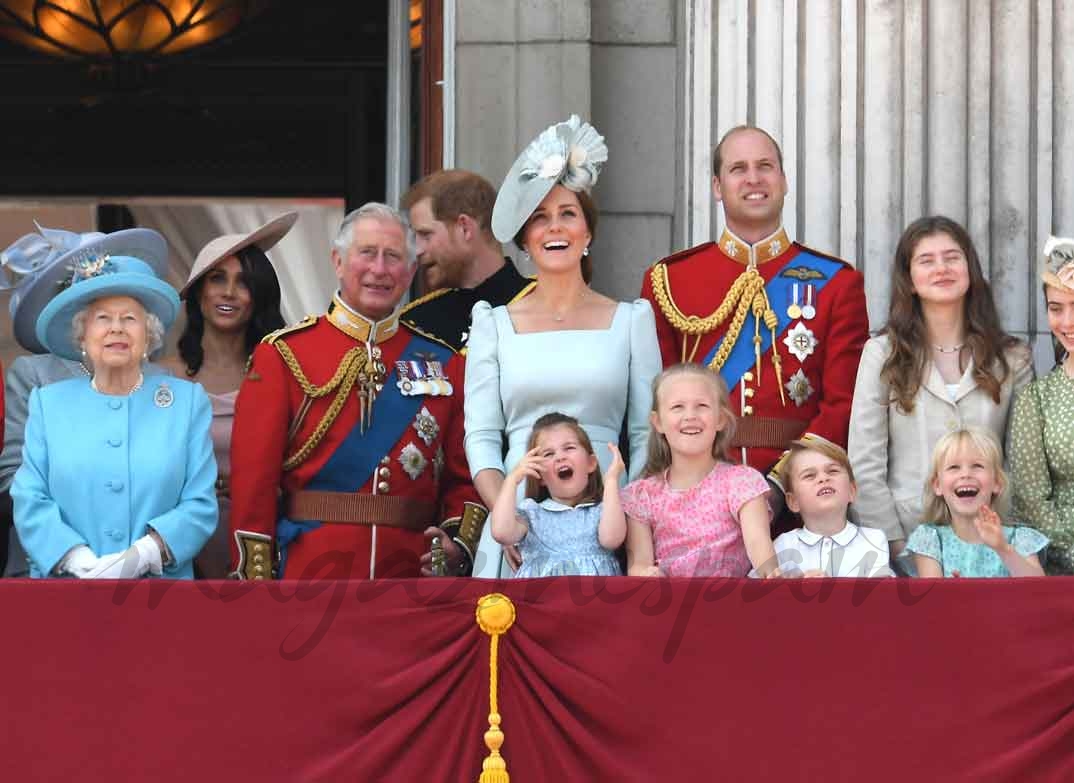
pixel 694 512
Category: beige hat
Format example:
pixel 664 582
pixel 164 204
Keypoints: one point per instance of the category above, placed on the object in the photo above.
pixel 1057 263
pixel 230 244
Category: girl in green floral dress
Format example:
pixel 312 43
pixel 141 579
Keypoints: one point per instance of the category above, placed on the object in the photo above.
pixel 1041 442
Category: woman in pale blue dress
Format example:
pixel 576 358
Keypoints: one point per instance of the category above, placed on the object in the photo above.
pixel 564 347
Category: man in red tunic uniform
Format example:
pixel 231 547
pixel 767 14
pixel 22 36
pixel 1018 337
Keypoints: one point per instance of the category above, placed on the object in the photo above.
pixel 782 323
pixel 347 444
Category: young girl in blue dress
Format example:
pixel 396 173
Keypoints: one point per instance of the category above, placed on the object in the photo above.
pixel 965 536
pixel 570 521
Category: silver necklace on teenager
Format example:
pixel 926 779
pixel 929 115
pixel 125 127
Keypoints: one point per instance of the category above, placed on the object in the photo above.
pixel 948 349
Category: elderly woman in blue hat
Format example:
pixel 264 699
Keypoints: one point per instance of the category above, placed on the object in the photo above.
pixel 564 347
pixel 34 268
pixel 117 473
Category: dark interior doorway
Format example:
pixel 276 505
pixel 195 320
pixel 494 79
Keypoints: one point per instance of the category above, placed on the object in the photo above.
pixel 292 105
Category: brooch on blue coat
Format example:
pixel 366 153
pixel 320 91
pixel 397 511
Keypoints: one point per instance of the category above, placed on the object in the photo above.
pixel 163 397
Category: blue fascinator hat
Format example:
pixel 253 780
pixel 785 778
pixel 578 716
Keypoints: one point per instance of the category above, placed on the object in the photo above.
pixel 568 153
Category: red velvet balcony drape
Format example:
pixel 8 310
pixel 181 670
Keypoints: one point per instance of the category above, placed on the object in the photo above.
pixel 600 680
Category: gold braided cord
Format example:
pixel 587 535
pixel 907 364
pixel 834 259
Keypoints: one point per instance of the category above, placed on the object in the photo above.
pixel 733 332
pixel 494 687
pixel 354 358
pixel 693 324
pixel 341 382
pixel 740 298
pixel 746 294
pixel 759 306
pixel 495 615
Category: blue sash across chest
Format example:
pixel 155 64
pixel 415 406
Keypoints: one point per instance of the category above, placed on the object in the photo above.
pixel 742 356
pixel 355 460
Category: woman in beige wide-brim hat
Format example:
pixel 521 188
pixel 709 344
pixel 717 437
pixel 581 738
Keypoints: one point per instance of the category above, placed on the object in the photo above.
pixel 1041 444
pixel 232 301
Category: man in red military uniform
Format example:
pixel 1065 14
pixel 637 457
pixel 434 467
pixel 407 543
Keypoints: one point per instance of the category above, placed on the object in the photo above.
pixel 347 447
pixel 782 323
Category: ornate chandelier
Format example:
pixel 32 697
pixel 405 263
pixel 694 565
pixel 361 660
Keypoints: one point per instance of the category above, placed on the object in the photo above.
pixel 99 30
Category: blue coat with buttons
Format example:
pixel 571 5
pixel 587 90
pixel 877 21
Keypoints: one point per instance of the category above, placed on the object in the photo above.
pixel 101 470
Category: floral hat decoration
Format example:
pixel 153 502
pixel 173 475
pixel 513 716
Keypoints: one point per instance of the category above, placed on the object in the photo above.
pixel 1057 265
pixel 93 277
pixel 36 267
pixel 568 153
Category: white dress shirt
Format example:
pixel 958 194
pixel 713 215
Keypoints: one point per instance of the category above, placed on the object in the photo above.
pixel 853 551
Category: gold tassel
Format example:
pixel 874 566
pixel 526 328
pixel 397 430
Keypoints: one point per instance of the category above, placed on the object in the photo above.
pixel 771 320
pixel 495 615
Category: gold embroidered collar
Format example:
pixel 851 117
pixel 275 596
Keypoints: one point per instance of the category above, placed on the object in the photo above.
pixel 757 253
pixel 358 326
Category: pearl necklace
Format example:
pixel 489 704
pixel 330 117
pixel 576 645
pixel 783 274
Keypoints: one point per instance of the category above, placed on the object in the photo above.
pixel 137 385
pixel 944 349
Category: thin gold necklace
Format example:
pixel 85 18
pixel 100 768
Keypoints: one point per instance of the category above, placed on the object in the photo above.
pixel 558 317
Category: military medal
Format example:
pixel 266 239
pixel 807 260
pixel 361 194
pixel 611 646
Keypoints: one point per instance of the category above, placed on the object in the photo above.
pixel 799 388
pixel 800 341
pixel 793 310
pixel 809 312
pixel 423 375
pixel 436 376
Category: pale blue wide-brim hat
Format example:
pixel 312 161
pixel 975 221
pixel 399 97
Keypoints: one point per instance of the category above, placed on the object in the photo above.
pixel 38 266
pixel 568 153
pixel 97 278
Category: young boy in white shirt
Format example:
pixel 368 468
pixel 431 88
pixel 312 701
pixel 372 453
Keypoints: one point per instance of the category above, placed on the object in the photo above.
pixel 819 485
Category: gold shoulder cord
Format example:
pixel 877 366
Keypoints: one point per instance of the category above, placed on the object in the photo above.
pixel 352 364
pixel 746 294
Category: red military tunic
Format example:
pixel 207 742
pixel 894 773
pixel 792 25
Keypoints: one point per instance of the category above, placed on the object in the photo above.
pixel 818 388
pixel 425 462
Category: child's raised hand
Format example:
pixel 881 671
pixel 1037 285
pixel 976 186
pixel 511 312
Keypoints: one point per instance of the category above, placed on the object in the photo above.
pixel 616 468
pixel 531 465
pixel 990 528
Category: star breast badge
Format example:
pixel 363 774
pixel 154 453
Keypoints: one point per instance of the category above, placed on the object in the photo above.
pixel 799 388
pixel 426 425
pixel 412 460
pixel 800 341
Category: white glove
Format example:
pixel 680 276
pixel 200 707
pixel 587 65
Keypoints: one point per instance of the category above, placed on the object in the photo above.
pixel 143 557
pixel 79 561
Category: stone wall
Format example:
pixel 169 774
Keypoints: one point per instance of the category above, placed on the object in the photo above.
pixel 886 110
